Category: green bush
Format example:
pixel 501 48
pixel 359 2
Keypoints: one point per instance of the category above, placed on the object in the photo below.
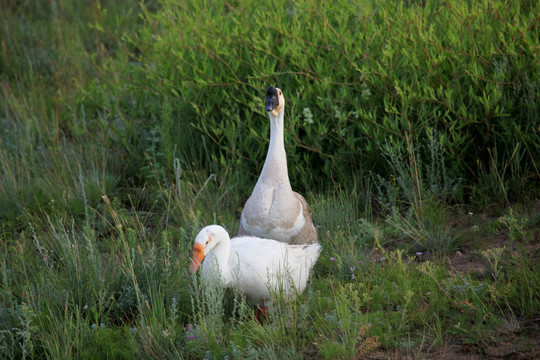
pixel 356 75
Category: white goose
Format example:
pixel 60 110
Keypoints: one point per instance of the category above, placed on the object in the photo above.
pixel 256 266
pixel 274 210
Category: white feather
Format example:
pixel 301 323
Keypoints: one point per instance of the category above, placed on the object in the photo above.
pixel 257 267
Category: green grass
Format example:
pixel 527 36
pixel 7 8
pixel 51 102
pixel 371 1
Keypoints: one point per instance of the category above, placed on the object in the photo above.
pixel 411 129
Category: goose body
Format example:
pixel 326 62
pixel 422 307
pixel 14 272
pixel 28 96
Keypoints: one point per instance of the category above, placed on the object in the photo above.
pixel 274 210
pixel 254 265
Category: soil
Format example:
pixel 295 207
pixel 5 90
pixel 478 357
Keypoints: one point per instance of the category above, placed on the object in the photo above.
pixel 520 341
pixel 454 350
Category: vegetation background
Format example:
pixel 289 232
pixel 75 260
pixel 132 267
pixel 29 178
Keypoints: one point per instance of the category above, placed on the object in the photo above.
pixel 413 129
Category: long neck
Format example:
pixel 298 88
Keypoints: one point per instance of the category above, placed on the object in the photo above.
pixel 275 165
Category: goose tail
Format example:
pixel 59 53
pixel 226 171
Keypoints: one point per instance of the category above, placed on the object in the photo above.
pixel 313 251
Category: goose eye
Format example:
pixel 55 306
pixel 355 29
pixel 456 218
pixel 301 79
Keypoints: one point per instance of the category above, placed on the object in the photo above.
pixel 209 237
pixel 280 93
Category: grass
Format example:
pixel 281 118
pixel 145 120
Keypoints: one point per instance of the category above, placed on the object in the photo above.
pixel 125 128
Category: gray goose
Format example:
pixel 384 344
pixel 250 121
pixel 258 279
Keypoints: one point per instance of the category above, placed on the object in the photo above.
pixel 274 210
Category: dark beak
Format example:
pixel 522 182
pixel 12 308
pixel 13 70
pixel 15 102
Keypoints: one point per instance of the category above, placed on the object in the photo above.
pixel 272 99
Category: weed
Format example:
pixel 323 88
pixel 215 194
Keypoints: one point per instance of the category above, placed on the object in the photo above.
pixel 416 198
pixel 494 256
pixel 515 226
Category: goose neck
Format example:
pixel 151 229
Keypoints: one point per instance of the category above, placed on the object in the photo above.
pixel 221 253
pixel 276 159
pixel 276 130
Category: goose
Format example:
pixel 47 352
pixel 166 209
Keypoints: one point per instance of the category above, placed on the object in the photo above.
pixel 274 210
pixel 257 267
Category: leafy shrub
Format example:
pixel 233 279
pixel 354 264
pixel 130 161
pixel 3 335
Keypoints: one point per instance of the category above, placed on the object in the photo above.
pixel 355 76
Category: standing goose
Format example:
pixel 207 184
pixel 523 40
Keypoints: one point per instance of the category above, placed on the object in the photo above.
pixel 274 210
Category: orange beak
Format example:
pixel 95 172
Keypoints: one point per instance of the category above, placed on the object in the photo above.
pixel 198 256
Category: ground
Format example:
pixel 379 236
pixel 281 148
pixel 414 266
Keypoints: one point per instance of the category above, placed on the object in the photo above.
pixel 518 341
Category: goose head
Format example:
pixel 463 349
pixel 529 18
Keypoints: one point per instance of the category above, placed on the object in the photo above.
pixel 275 102
pixel 206 240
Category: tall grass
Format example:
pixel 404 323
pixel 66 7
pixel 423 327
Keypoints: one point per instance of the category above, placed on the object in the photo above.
pixel 49 51
pixel 64 297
